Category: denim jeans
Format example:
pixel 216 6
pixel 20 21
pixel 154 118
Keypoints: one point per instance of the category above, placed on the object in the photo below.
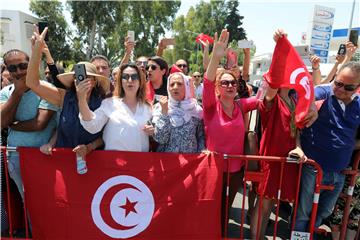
pixel 327 198
pixel 14 172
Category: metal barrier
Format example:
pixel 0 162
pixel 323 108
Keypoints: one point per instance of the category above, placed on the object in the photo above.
pixel 258 177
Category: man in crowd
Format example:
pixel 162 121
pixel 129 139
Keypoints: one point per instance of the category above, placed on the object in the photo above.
pixel 103 67
pixel 182 64
pixel 330 142
pixel 30 120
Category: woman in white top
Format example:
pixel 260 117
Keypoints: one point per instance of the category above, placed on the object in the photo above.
pixel 125 115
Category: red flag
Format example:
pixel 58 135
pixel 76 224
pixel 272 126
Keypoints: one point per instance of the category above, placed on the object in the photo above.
pixel 203 37
pixel 288 70
pixel 123 195
pixel 175 69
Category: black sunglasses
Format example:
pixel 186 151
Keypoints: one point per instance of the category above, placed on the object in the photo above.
pixel 225 83
pixel 197 76
pixel 133 77
pixel 21 66
pixel 347 87
pixel 152 66
pixel 181 65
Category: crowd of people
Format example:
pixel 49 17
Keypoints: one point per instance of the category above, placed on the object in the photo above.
pixel 148 106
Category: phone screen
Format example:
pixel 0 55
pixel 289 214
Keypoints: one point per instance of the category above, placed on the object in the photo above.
pixel 131 35
pixel 354 34
pixel 80 72
pixel 42 26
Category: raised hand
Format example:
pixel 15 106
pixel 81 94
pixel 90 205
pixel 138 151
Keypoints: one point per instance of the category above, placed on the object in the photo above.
pixel 350 49
pixel 164 104
pixel 83 88
pixel 279 34
pixel 315 61
pixel 38 40
pixel 220 45
pixel 129 46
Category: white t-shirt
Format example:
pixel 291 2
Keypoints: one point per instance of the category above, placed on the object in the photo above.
pixel 123 129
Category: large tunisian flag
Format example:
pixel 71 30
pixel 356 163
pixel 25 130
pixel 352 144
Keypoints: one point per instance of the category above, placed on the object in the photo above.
pixel 124 195
pixel 288 70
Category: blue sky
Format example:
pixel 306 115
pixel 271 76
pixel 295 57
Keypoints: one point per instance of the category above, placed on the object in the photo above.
pixel 262 18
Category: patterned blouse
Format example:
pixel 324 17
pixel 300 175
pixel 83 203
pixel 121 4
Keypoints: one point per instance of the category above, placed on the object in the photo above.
pixel 188 138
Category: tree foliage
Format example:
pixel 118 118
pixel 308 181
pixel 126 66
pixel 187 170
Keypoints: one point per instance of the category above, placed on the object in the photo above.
pixel 208 18
pixel 51 12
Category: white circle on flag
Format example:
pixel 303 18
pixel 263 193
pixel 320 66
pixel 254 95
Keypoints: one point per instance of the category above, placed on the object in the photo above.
pixel 131 208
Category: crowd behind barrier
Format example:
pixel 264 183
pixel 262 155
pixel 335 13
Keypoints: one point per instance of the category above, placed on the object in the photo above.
pixel 149 106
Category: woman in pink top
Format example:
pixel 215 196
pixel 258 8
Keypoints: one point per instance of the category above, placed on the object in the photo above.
pixel 223 117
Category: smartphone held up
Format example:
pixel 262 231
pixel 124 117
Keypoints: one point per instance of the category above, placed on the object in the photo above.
pixel 42 26
pixel 131 36
pixel 80 73
pixel 353 37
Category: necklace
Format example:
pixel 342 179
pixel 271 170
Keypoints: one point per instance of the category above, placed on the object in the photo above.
pixel 291 106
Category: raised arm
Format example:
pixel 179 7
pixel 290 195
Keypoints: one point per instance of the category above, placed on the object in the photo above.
pixel 219 51
pixel 271 92
pixel 43 89
pixel 205 54
pixel 316 73
pixel 246 65
pixel 129 47
pixel 163 44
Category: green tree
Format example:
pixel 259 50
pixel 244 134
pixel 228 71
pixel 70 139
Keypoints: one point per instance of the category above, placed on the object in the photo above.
pixel 233 21
pixel 95 20
pixel 51 11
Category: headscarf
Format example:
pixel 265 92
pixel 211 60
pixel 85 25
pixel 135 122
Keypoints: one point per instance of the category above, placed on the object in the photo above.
pixel 180 112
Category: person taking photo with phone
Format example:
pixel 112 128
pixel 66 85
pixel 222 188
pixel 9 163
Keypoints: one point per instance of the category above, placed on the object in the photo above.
pixel 70 133
pixel 124 117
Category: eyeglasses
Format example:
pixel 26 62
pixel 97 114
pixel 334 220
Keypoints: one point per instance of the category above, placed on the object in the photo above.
pixel 21 66
pixel 141 63
pixel 181 65
pixel 152 66
pixel 347 87
pixel 197 76
pixel 226 83
pixel 133 77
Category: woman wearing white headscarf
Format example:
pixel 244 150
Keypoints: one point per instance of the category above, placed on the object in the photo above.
pixel 178 120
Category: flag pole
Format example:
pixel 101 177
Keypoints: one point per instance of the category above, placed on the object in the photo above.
pixel 351 19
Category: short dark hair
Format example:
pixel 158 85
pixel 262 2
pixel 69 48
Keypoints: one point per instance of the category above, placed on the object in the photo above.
pixel 102 57
pixel 14 52
pixel 354 67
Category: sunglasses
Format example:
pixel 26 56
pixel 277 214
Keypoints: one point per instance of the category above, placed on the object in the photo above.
pixel 225 83
pixel 197 76
pixel 152 66
pixel 21 66
pixel 347 87
pixel 181 65
pixel 141 63
pixel 133 77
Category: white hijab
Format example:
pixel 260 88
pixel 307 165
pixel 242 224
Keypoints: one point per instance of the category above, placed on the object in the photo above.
pixel 180 112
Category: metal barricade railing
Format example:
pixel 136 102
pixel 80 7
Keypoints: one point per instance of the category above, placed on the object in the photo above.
pixel 258 177
pixel 353 173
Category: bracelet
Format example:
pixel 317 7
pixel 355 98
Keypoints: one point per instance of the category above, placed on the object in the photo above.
pixel 314 69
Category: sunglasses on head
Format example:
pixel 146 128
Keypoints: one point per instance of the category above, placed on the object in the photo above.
pixel 152 66
pixel 181 65
pixel 347 87
pixel 133 77
pixel 226 83
pixel 141 63
pixel 21 66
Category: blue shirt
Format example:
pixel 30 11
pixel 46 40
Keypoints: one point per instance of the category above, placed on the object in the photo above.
pixel 331 139
pixel 70 132
pixel 27 109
